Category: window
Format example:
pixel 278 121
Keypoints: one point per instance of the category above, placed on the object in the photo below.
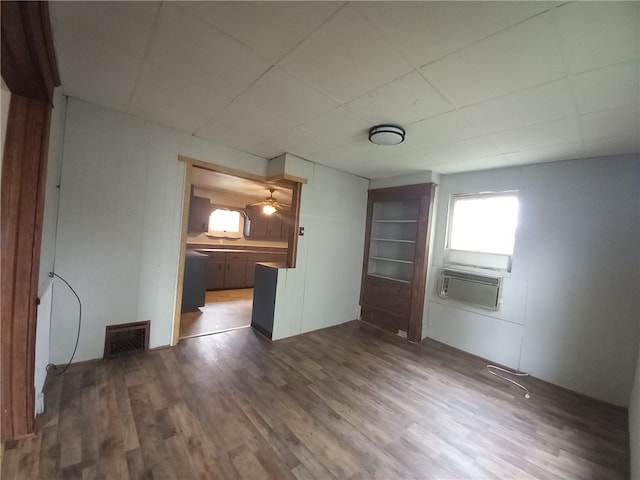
pixel 225 223
pixel 481 230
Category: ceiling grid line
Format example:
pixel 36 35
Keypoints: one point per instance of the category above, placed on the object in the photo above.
pixel 476 85
pixel 152 36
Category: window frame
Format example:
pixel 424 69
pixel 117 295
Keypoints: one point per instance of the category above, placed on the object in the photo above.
pixel 225 233
pixel 475 260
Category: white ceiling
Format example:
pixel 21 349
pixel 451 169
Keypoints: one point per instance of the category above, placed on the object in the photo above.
pixel 250 190
pixel 476 85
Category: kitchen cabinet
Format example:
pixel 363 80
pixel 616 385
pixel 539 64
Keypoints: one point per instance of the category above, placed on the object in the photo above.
pixel 215 274
pixel 264 300
pixel 235 270
pixel 199 211
pixel 193 286
pixel 267 226
pixel 395 258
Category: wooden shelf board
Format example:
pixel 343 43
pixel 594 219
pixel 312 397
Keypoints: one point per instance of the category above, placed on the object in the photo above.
pixel 393 240
pixel 394 260
pixel 394 221
pixel 388 277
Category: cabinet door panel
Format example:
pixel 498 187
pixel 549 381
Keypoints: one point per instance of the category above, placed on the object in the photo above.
pixel 234 275
pixel 250 274
pixel 215 274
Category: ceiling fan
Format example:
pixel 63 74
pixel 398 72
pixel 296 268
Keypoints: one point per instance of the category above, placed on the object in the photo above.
pixel 270 204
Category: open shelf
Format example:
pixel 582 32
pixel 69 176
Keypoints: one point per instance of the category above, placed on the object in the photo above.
pixel 393 287
pixel 395 221
pixel 397 240
pixel 391 260
pixel 387 277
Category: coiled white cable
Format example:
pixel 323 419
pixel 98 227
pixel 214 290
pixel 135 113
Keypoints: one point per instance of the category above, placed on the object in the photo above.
pixel 526 394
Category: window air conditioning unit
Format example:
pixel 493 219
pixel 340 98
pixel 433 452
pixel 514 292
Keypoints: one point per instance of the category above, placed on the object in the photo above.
pixel 473 288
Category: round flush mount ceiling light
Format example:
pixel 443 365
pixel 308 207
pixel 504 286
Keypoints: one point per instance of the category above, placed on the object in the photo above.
pixel 386 135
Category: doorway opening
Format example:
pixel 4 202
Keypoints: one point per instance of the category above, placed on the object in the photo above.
pixel 223 310
pixel 225 233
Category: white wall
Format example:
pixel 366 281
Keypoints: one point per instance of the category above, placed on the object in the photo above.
pixel 56 140
pixel 5 100
pixel 47 248
pixel 119 230
pixel 634 413
pixel 324 288
pixel 43 330
pixel 119 224
pixel 634 424
pixel 571 305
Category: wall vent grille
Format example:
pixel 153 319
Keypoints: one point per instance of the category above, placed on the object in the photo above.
pixel 126 339
pixel 473 288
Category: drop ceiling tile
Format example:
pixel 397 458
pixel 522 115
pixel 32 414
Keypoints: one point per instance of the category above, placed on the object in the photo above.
pixel 92 71
pixel 618 122
pixel 298 142
pixel 171 101
pixel 265 150
pixel 286 97
pixel 484 163
pixel 463 150
pixel 546 102
pixel 339 126
pixel 346 57
pixel 558 132
pixel 242 126
pixel 444 128
pixel 340 157
pixel 427 31
pixel 191 49
pixel 381 167
pixel 520 57
pixel 612 146
pixel 122 27
pixel 403 101
pixel 271 29
pixel 595 34
pixel 607 88
pixel 548 154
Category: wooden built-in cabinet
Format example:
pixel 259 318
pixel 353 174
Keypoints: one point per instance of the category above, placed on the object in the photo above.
pixel 395 258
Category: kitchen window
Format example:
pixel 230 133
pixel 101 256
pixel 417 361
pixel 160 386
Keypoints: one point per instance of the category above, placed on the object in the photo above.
pixel 225 223
pixel 481 230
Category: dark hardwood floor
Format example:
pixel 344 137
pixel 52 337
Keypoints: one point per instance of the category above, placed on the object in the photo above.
pixel 348 402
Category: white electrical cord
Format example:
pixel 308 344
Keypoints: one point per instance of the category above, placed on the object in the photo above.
pixel 526 394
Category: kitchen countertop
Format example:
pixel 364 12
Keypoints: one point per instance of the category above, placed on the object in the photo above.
pixel 272 264
pixel 235 250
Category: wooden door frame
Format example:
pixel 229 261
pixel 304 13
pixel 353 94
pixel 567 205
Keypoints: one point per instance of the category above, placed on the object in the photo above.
pixel 30 72
pixel 288 181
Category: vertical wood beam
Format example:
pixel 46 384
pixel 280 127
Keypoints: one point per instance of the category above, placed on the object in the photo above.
pixel 29 69
pixel 23 190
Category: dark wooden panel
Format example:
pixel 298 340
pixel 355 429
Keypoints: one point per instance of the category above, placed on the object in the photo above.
pixel 379 294
pixel 29 69
pixel 28 58
pixel 394 297
pixel 385 319
pixel 23 189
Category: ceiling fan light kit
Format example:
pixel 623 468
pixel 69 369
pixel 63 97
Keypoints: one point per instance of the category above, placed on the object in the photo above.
pixel 268 209
pixel 386 135
pixel 270 204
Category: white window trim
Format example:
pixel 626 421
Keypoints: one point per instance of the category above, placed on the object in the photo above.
pixel 225 233
pixel 481 262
